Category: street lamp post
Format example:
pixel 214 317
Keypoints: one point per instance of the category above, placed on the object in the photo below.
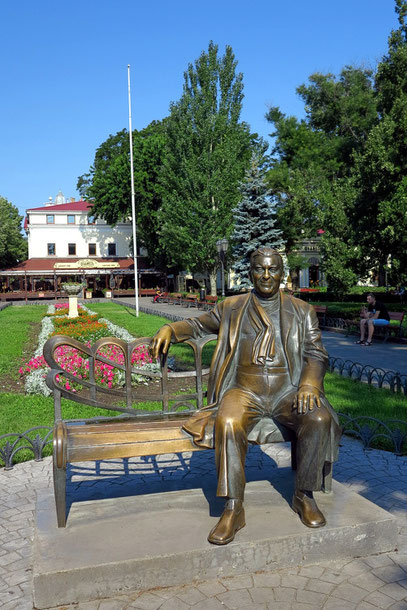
pixel 222 246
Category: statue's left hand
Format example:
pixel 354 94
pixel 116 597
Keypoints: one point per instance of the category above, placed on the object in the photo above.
pixel 160 342
pixel 307 398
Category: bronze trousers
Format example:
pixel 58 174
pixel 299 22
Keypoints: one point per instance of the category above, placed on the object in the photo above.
pixel 239 411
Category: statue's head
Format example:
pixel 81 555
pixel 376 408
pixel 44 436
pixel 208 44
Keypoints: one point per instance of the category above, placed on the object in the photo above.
pixel 266 271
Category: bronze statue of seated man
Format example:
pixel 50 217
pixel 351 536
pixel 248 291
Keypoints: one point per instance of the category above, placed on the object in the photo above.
pixel 268 362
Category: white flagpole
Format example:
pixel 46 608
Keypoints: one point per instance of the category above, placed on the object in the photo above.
pixel 133 205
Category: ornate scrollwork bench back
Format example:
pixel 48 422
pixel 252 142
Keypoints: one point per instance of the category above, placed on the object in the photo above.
pixel 97 395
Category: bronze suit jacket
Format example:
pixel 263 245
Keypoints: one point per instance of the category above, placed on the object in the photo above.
pixel 306 357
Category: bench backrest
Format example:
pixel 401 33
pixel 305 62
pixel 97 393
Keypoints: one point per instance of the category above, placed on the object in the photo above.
pixel 397 315
pixel 320 308
pixel 90 390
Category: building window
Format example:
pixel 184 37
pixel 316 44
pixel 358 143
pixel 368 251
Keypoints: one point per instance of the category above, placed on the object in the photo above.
pixel 92 249
pixel 50 219
pixel 111 249
pixel 91 220
pixel 51 249
pixel 71 219
pixel 72 249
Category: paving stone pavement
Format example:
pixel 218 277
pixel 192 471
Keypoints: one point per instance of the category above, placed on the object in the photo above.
pixel 378 581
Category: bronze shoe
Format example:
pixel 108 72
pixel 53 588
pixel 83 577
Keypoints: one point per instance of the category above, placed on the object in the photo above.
pixel 231 521
pixel 308 511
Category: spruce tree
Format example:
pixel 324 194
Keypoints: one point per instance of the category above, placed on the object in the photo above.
pixel 255 220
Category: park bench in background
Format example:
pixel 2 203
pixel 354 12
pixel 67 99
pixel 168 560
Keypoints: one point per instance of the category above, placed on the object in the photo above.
pixel 134 432
pixel 208 303
pixel 395 316
pixel 321 313
pixel 175 298
pixel 191 300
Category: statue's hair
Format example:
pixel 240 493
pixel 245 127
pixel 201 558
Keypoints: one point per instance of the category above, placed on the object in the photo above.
pixel 265 251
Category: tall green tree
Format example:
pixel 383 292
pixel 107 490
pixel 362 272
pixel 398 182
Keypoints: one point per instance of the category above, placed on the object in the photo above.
pixel 381 166
pixel 255 220
pixel 13 246
pixel 318 150
pixel 108 184
pixel 312 171
pixel 343 167
pixel 208 150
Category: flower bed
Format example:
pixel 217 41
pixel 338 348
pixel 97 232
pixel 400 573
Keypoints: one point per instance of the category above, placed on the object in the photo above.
pixel 86 328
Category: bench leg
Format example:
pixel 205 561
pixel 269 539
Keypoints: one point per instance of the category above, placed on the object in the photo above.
pixel 327 478
pixel 60 494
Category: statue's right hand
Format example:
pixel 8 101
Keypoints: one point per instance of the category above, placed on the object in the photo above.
pixel 161 342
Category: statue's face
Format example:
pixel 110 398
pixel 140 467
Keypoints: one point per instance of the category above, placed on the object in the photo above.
pixel 266 273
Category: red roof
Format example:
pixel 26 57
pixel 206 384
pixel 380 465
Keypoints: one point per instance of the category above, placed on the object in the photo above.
pixel 47 264
pixel 74 206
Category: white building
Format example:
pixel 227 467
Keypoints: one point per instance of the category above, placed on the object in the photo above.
pixel 65 243
pixel 63 230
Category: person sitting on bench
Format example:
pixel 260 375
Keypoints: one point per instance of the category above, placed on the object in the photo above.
pixel 376 314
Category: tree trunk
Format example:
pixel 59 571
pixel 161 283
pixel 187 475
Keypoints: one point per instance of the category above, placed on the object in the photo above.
pixel 212 280
pixel 382 276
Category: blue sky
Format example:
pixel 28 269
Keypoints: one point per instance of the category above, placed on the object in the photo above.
pixel 63 70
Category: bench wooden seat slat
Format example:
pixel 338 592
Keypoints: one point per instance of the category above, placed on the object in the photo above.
pixel 109 437
pixel 129 450
pixel 124 426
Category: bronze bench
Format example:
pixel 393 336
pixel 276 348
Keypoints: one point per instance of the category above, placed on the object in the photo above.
pixel 134 432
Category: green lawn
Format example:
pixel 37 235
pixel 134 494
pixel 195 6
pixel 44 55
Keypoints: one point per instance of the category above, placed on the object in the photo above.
pixel 356 398
pixel 19 412
pixel 15 324
pixel 142 326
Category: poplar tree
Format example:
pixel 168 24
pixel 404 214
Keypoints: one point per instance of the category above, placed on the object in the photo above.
pixel 208 150
pixel 255 220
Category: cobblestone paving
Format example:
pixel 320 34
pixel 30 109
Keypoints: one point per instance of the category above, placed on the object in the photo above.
pixel 378 581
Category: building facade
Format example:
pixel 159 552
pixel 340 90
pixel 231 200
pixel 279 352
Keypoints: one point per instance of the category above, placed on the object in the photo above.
pixel 66 229
pixel 66 243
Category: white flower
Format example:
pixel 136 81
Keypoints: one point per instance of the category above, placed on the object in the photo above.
pixel 47 328
pixel 35 383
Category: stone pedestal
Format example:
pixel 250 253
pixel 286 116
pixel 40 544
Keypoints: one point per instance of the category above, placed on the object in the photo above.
pixel 73 307
pixel 158 540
